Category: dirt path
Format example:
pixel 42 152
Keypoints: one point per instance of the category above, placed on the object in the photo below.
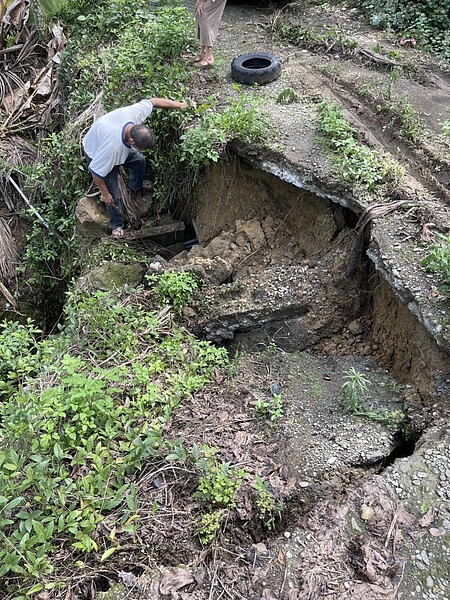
pixel 373 100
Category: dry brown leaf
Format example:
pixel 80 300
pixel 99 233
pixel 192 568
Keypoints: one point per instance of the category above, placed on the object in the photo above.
pixel 366 591
pixel 417 535
pixel 268 595
pixel 174 580
pixel 223 416
pixel 281 557
pixel 427 518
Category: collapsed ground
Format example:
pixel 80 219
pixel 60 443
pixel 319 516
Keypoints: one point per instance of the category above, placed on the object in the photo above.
pixel 345 531
pixel 338 537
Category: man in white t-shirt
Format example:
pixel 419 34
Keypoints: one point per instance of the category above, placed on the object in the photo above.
pixel 117 139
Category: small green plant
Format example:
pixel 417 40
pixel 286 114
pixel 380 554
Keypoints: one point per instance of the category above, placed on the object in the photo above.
pixel 209 526
pixel 353 389
pixel 269 508
pixel 437 261
pixel 272 408
pixel 411 125
pixel 366 90
pixel 287 96
pixel 394 75
pixel 356 162
pixel 394 55
pixel 219 484
pixel 314 385
pixel 174 288
pixel 445 127
pixel 391 418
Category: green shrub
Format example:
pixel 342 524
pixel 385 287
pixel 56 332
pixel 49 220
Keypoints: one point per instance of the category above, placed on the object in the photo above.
pixel 438 260
pixel 269 508
pixel 173 288
pixel 219 484
pixel 357 163
pixel 428 21
pixel 80 414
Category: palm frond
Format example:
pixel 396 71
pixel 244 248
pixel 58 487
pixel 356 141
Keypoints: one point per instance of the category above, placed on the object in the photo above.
pixel 8 251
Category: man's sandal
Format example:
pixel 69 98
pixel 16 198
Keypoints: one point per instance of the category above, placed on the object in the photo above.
pixel 117 233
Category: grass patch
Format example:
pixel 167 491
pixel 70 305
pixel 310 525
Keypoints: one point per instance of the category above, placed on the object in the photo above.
pixel 80 415
pixel 356 162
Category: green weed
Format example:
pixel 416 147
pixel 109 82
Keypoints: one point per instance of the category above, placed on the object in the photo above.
pixel 287 96
pixel 271 408
pixel 395 73
pixel 314 384
pixel 209 526
pixel 269 508
pixel 437 261
pixel 357 163
pixel 173 288
pixel 219 483
pixel 411 125
pixel 353 389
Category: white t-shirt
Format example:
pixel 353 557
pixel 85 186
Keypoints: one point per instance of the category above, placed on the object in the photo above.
pixel 104 142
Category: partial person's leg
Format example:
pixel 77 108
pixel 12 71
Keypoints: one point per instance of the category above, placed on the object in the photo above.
pixel 115 210
pixel 136 165
pixel 207 30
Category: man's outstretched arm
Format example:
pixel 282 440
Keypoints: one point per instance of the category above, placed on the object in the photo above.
pixel 163 103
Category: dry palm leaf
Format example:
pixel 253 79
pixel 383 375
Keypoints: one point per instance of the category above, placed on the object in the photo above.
pixel 8 251
pixel 15 153
pixel 378 210
pixel 28 86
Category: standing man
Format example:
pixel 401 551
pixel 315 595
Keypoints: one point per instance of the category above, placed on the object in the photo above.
pixel 117 139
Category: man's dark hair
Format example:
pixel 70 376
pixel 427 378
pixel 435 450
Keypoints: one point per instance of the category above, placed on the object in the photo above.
pixel 142 137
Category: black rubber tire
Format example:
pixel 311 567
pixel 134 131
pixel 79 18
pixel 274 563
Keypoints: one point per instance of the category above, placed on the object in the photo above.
pixel 255 67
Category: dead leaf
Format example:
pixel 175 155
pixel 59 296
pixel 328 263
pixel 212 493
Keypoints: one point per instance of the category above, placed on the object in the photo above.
pixel 436 532
pixel 417 535
pixel 427 518
pixel 129 579
pixel 281 557
pixel 43 596
pixel 268 595
pixel 174 580
pixel 258 555
pixel 366 591
pixel 223 416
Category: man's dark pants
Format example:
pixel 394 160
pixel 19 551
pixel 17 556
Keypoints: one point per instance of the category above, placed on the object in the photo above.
pixel 135 165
